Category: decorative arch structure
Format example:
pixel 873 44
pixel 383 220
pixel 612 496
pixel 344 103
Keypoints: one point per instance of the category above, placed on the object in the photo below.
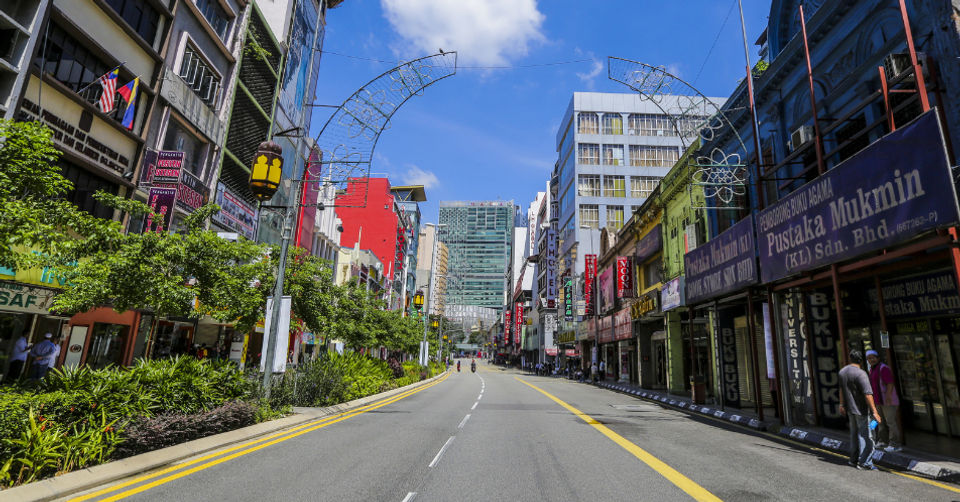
pixel 347 141
pixel 722 172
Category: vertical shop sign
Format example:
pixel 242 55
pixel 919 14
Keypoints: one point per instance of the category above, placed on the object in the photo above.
pixel 798 376
pixel 590 262
pixel 161 200
pixel 728 359
pixel 605 283
pixel 551 268
pixel 567 298
pixel 822 331
pixel 506 326
pixel 624 277
pixel 518 320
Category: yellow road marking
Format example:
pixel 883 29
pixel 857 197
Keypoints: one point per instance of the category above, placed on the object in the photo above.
pixel 684 483
pixel 287 434
pixel 805 446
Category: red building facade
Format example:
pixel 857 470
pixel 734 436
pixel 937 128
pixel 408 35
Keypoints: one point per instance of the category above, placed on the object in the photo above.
pixel 369 216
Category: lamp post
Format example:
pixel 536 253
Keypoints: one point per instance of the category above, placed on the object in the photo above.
pixel 418 305
pixel 264 181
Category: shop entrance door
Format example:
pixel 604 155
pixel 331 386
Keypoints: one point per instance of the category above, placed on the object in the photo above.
pixel 658 341
pixel 927 377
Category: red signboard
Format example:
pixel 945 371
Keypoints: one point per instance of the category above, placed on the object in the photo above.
pixel 590 261
pixel 623 325
pixel 506 326
pixel 519 322
pixel 624 277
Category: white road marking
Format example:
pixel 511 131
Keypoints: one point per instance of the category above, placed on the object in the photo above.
pixel 410 496
pixel 474 405
pixel 464 421
pixel 440 453
pixel 480 397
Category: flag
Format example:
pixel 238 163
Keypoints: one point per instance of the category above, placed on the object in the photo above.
pixel 109 83
pixel 129 93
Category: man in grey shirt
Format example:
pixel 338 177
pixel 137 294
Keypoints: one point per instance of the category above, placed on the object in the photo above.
pixel 856 401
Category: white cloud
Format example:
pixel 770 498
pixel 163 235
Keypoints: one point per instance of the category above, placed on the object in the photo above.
pixel 588 77
pixel 417 176
pixel 483 32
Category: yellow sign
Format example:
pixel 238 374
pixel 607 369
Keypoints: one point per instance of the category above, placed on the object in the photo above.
pixel 46 276
pixel 643 305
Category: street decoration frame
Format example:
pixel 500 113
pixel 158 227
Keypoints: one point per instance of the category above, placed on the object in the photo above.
pixel 720 172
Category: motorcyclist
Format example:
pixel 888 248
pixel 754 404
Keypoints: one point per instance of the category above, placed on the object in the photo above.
pixel 473 365
pixel 458 366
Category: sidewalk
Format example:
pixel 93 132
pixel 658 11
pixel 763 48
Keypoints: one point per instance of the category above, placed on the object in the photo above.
pixel 939 467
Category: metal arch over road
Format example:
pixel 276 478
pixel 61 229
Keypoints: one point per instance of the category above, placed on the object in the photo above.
pixel 349 137
pixel 722 174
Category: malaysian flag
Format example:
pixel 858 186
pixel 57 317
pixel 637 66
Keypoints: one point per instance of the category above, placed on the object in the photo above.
pixel 109 83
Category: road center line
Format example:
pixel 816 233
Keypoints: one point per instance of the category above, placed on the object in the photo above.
pixel 480 397
pixel 684 483
pixel 474 406
pixel 440 453
pixel 464 421
pixel 410 496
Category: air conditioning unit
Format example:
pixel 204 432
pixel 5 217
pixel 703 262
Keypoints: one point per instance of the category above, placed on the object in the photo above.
pixel 897 63
pixel 800 137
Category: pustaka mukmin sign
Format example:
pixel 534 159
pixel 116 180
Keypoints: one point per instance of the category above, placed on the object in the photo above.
pixel 894 189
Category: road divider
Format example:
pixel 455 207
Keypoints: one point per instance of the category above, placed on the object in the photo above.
pixel 443 448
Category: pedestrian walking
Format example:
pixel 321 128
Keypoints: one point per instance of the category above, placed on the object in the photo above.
pixel 19 358
pixel 603 370
pixel 55 356
pixel 594 373
pixel 856 401
pixel 889 433
pixel 41 353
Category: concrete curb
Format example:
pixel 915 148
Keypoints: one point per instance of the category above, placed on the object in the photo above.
pixel 99 475
pixel 897 460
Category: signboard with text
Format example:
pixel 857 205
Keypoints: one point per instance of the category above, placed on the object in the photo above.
pixel 926 295
pixel 605 290
pixel 235 213
pixel 590 273
pixel 624 277
pixel 723 264
pixel 161 200
pixel 672 294
pixel 551 265
pixel 894 189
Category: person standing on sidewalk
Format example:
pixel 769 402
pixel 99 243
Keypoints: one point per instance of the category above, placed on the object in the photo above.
pixel 18 359
pixel 856 401
pixel 603 370
pixel 888 403
pixel 594 372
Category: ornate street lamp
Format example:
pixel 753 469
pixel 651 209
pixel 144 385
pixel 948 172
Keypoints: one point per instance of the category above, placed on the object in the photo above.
pixel 418 300
pixel 266 171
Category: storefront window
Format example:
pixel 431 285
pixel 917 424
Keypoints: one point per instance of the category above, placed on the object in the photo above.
pixel 12 326
pixel 172 339
pixel 106 345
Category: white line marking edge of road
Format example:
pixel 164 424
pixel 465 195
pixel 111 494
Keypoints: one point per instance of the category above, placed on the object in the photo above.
pixel 410 496
pixel 440 453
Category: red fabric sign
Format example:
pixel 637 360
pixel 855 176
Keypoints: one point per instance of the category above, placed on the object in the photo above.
pixel 590 262
pixel 624 277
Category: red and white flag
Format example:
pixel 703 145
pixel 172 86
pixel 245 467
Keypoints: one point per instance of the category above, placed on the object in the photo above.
pixel 109 83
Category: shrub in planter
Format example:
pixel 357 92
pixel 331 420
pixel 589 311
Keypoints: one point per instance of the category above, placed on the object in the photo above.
pixel 168 429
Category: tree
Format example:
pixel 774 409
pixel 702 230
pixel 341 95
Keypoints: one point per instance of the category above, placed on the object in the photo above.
pixel 38 227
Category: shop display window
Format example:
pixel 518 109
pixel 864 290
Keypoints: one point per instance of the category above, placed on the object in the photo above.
pixel 107 345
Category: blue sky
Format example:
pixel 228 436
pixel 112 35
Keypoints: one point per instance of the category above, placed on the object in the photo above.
pixel 487 134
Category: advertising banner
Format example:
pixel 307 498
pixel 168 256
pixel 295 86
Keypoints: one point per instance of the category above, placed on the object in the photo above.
pixel 823 325
pixel 649 245
pixel 518 323
pixel 623 325
pixel 933 294
pixel 672 294
pixel 723 264
pixel 590 274
pixel 191 192
pixel 161 200
pixel 551 265
pixel 567 298
pixel 606 289
pixel 507 326
pixel 888 193
pixel 730 377
pixel 606 329
pixel 282 342
pixel 167 169
pixel 800 397
pixel 624 277
pixel 235 213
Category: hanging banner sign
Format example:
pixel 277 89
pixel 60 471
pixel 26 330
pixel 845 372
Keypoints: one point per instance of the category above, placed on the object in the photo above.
pixel 551 268
pixel 567 298
pixel 822 323
pixel 506 326
pixel 723 264
pixel 590 262
pixel 161 200
pixel 672 294
pixel 518 323
pixel 892 190
pixel 606 291
pixel 624 277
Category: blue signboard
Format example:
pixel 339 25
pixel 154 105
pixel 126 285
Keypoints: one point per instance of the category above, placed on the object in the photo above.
pixel 927 295
pixel 888 193
pixel 649 244
pixel 724 264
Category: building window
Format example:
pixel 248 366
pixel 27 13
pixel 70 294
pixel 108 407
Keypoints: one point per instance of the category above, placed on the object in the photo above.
pixel 651 274
pixel 198 75
pixel 615 217
pixel 614 186
pixel 646 124
pixel 589 215
pixel 588 185
pixel 69 62
pixel 588 154
pixel 588 123
pixel 194 149
pixel 691 126
pixel 140 15
pixel 653 156
pixel 216 16
pixel 613 155
pixel 85 185
pixel 642 186
pixel 612 123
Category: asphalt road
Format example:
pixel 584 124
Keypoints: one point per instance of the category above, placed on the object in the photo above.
pixel 490 436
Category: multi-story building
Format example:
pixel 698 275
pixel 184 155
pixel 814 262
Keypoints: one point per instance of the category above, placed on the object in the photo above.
pixel 425 264
pixel 408 199
pixel 613 150
pixel 479 237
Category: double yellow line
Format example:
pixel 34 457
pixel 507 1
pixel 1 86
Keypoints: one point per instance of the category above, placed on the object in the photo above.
pixel 240 450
